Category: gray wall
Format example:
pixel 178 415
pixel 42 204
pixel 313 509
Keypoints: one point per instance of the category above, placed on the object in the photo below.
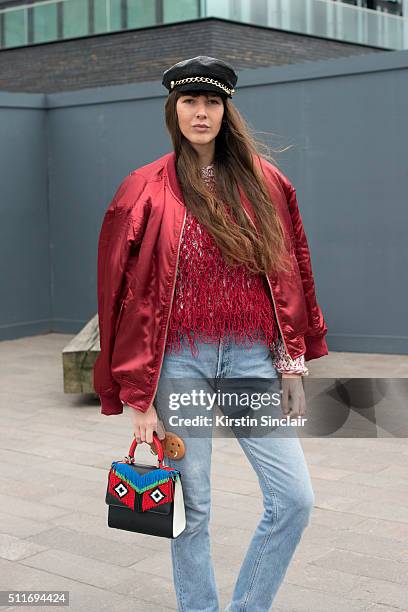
pixel 25 306
pixel 347 120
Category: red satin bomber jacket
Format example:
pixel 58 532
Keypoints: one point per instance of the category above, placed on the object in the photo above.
pixel 138 254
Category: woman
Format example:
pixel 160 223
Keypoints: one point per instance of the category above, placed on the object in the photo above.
pixel 204 272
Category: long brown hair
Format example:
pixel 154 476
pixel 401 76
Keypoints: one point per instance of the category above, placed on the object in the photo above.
pixel 262 250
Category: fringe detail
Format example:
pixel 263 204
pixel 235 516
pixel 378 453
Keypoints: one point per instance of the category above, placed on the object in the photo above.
pixel 213 299
pixel 143 482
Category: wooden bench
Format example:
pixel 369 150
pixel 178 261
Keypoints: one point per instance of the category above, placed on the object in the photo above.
pixel 78 359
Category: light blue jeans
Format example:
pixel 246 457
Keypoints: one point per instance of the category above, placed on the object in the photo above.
pixel 284 480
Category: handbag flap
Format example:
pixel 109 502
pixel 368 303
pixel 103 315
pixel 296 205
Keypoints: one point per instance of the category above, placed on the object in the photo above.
pixel 141 487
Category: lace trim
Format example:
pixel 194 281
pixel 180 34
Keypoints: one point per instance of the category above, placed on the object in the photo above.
pixel 284 363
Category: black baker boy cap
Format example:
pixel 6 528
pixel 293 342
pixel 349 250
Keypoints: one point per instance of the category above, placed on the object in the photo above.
pixel 201 73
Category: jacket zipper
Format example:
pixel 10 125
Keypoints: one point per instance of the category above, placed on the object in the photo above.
pixel 270 289
pixel 171 304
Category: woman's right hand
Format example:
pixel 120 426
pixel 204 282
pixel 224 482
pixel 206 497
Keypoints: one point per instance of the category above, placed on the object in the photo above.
pixel 145 423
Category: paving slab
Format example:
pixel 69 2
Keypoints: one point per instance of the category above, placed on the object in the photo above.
pixel 56 449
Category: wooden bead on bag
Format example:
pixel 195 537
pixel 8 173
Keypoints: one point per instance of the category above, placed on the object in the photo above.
pixel 173 446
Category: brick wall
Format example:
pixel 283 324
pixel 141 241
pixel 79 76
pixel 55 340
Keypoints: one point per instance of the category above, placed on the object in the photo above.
pixel 143 54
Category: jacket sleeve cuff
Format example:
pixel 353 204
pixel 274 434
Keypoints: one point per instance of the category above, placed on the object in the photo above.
pixel 316 347
pixel 110 404
pixel 130 398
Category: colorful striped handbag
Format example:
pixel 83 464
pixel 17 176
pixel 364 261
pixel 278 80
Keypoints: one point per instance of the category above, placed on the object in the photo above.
pixel 145 498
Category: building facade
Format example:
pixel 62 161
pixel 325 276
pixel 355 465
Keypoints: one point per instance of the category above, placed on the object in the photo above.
pixel 60 45
pixel 381 23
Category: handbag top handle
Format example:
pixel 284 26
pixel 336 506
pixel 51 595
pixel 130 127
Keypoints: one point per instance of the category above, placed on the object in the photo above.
pixel 160 453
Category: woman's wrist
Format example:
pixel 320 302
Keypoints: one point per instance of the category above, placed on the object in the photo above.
pixel 291 375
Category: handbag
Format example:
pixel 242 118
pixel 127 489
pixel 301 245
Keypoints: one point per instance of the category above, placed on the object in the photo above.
pixel 145 498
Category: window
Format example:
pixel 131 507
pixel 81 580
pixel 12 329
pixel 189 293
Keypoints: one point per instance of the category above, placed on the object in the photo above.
pixel 44 22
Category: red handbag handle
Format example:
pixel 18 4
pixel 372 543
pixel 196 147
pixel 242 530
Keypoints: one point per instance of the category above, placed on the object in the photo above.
pixel 160 453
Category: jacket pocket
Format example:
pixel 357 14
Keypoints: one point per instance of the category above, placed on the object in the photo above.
pixel 119 317
pixel 122 307
pixel 296 276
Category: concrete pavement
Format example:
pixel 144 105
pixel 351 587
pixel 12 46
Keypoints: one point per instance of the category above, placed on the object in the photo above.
pixel 56 449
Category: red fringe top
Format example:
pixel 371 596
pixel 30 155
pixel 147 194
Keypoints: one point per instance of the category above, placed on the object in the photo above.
pixel 212 298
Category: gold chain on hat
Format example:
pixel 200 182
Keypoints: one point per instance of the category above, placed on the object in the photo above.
pixel 203 80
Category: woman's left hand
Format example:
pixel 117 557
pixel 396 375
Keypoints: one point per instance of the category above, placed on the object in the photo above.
pixel 293 395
